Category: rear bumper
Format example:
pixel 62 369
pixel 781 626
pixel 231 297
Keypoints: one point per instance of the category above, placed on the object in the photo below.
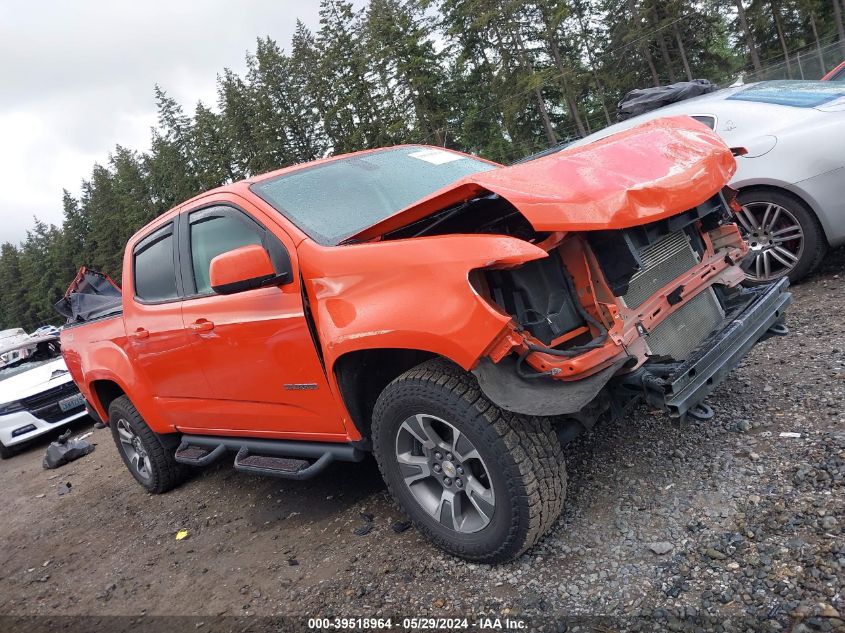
pixel 678 388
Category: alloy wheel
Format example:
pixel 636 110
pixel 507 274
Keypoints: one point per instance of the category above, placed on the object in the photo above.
pixel 445 473
pixel 775 238
pixel 134 449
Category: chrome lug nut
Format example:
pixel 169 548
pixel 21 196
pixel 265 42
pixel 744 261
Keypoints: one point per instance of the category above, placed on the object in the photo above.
pixel 437 468
pixel 449 457
pixel 459 483
pixel 438 455
pixel 460 470
pixel 447 481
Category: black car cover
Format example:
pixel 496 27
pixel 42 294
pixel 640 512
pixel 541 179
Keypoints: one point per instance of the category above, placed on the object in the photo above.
pixel 647 99
pixel 91 295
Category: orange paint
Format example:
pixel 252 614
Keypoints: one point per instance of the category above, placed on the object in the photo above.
pixel 246 364
pixel 246 262
pixel 641 175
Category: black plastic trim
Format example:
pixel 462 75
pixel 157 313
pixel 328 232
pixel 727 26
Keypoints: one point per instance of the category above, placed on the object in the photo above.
pixel 159 233
pixel 252 284
pixel 93 413
pixel 687 384
pixel 341 452
pixel 675 297
pixel 312 325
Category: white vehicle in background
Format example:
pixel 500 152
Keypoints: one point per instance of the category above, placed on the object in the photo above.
pixel 791 179
pixel 9 353
pixel 46 330
pixel 37 394
pixel 15 333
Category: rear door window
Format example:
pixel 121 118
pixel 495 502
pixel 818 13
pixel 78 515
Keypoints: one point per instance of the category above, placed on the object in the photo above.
pixel 154 267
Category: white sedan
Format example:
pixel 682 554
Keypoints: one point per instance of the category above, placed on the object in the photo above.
pixel 37 394
pixel 792 177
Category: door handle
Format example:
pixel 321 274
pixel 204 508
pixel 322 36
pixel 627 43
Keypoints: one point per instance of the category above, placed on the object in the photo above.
pixel 202 325
pixel 140 333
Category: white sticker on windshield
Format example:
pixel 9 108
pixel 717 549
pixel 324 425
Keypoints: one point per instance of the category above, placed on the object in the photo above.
pixel 435 156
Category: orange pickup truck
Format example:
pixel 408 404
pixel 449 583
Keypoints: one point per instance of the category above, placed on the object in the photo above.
pixel 458 319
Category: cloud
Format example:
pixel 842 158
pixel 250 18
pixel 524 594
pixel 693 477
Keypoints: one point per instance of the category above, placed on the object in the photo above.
pixel 78 79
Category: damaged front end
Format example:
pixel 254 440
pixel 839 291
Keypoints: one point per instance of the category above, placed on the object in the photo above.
pixel 601 275
pixel 653 310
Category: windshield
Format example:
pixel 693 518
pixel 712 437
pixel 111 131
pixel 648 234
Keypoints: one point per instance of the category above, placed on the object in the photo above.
pixel 26 357
pixel 798 94
pixel 335 200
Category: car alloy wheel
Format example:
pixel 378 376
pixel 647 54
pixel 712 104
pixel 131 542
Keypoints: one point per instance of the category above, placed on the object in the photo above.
pixel 445 473
pixel 134 450
pixel 775 239
pixel 479 482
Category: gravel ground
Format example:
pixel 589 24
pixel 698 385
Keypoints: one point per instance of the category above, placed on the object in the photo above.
pixel 725 525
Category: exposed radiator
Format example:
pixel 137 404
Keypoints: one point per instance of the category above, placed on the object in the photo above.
pixel 681 332
pixel 664 260
pixel 684 330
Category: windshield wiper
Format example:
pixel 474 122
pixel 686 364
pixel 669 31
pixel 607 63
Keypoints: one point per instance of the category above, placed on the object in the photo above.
pixel 445 216
pixel 429 221
pixel 450 213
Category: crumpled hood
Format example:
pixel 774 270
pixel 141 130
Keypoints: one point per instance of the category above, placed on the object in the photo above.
pixel 646 173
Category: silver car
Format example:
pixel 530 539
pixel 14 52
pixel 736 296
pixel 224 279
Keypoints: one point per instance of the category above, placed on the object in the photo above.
pixel 791 180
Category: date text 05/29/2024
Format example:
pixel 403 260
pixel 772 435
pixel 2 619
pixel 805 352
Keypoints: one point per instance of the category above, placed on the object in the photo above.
pixel 424 623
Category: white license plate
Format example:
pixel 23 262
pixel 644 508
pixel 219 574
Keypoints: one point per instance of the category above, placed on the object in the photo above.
pixel 71 402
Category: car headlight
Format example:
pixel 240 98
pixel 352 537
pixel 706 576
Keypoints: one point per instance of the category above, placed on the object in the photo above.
pixel 10 407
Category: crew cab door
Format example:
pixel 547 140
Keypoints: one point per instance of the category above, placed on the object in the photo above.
pixel 255 348
pixel 156 341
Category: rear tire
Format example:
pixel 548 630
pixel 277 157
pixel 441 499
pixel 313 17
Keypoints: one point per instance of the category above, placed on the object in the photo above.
pixel 147 454
pixel 511 469
pixel 768 215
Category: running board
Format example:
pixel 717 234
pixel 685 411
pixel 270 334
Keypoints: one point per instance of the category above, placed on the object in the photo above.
pixel 283 467
pixel 197 455
pixel 277 458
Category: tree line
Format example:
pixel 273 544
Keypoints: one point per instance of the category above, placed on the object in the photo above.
pixel 499 78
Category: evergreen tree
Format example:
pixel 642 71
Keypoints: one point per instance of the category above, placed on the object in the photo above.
pixel 351 113
pixel 410 72
pixel 13 297
pixel 499 78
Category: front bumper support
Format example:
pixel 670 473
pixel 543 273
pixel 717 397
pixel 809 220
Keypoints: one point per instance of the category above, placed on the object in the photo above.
pixel 679 387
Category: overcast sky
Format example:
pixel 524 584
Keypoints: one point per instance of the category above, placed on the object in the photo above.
pixel 77 77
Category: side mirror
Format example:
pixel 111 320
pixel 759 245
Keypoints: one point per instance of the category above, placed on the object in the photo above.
pixel 244 268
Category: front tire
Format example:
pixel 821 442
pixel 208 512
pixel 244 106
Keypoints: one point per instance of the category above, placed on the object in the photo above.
pixel 481 483
pixel 784 234
pixel 147 454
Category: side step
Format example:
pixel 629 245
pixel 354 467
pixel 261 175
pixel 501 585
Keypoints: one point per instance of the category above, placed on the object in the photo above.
pixel 197 455
pixel 277 458
pixel 283 467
